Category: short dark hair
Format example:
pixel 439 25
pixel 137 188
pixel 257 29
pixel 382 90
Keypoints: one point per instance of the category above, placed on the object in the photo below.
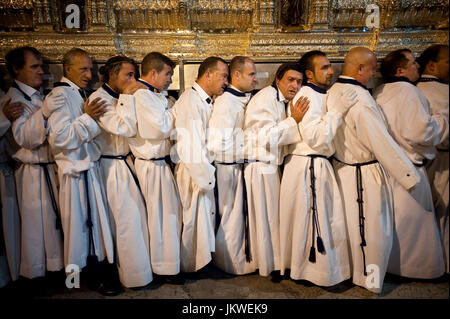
pixel 238 63
pixel 392 62
pixel 114 64
pixel 155 61
pixel 15 58
pixel 69 55
pixel 430 54
pixel 306 61
pixel 210 63
pixel 283 68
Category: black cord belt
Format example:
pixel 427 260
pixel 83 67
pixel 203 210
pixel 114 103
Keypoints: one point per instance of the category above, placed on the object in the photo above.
pixel 58 224
pixel 124 158
pixel 248 256
pixel 92 257
pixel 360 201
pixel 2 239
pixel 442 150
pixel 314 217
pixel 165 158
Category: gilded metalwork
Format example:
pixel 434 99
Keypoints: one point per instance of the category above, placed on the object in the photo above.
pixel 190 30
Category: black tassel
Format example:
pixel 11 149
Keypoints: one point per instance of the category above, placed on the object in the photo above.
pixel 58 223
pixel 320 246
pixel 312 255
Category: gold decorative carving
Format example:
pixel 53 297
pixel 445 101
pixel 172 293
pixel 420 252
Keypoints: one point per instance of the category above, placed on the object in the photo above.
pixel 190 30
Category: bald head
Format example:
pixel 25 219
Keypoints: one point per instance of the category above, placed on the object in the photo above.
pixel 360 63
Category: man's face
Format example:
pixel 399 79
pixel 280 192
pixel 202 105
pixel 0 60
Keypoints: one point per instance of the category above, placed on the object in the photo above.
pixel 218 79
pixel 411 70
pixel 80 70
pixel 31 73
pixel 323 72
pixel 442 65
pixel 368 70
pixel 161 80
pixel 125 76
pixel 290 84
pixel 248 80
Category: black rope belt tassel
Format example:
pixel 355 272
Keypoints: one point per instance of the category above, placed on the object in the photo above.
pixel 314 217
pixel 248 256
pixel 2 239
pixel 92 257
pixel 360 201
pixel 58 224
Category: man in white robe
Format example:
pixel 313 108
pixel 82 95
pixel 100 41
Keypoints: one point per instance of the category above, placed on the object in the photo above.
pixel 194 172
pixel 365 154
pixel 82 197
pixel 9 208
pixel 311 210
pixel 127 205
pixel 434 85
pixel 226 142
pixel 267 131
pixel 417 250
pixel 36 180
pixel 151 147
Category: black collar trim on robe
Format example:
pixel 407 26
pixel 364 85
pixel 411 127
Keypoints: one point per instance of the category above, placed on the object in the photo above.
pixel 235 92
pixel 315 88
pixel 26 96
pixel 394 79
pixel 56 84
pixel 208 100
pixel 286 103
pixel 430 80
pixel 150 87
pixel 274 85
pixel 110 91
pixel 81 91
pixel 352 81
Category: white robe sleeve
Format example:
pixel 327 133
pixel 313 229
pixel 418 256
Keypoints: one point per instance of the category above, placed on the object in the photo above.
pixel 191 145
pixel 316 128
pixel 154 121
pixel 67 133
pixel 30 130
pixel 261 120
pixel 223 139
pixel 4 122
pixel 418 127
pixel 121 119
pixel 373 133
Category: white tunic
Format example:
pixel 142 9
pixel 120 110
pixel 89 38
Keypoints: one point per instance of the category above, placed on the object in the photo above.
pixel 317 129
pixel 438 170
pixel 268 131
pixel 41 243
pixel 125 200
pixel 363 137
pixel 195 178
pixel 154 125
pixel 71 139
pixel 226 142
pixel 417 249
pixel 10 218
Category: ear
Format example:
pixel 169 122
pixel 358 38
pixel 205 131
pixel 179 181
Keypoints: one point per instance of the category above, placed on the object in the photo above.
pixel 431 66
pixel 309 75
pixel 399 71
